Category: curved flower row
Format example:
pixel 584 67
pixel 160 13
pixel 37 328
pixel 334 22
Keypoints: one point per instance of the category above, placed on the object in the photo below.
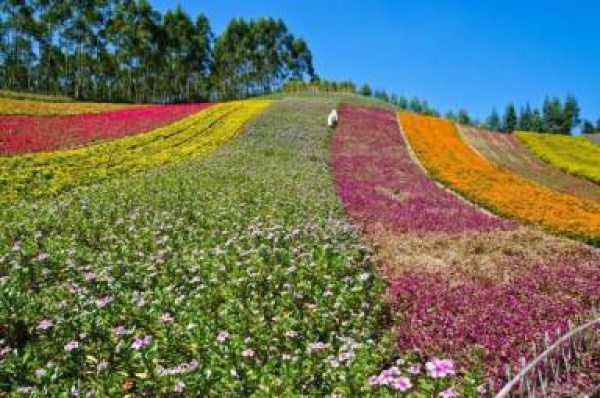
pixel 451 160
pixel 34 175
pixel 21 133
pixel 461 283
pixel 27 107
pixel 575 155
pixel 509 152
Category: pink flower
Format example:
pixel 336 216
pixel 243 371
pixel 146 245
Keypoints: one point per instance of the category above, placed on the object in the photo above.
pixel 141 342
pixel 439 368
pixel 40 372
pixel 448 393
pixel 374 380
pixel 223 336
pixel 44 325
pixel 71 345
pixel 104 301
pixel 481 390
pixel 90 276
pixel 179 387
pixel 119 330
pixel 402 384
pixel 248 353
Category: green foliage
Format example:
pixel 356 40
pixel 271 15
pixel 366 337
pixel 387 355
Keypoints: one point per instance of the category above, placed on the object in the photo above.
pixel 588 127
pixel 256 57
pixel 115 50
pixel 366 90
pixel 463 117
pixel 251 242
pixel 493 122
pixel 33 97
pixel 319 86
pixel 510 118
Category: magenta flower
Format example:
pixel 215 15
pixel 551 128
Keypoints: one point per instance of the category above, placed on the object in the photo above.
pixel 71 345
pixel 40 372
pixel 141 342
pixel 439 368
pixel 223 336
pixel 402 384
pixel 44 325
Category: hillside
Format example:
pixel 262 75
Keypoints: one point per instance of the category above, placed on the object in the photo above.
pixel 245 248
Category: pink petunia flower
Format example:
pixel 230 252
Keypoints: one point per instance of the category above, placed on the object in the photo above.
pixel 402 384
pixel 141 342
pixel 71 345
pixel 439 368
pixel 44 325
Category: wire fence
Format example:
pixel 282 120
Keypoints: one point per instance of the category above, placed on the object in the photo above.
pixel 557 360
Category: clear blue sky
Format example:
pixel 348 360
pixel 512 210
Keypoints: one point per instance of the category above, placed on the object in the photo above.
pixel 474 54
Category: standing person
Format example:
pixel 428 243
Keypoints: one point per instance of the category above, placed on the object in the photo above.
pixel 332 119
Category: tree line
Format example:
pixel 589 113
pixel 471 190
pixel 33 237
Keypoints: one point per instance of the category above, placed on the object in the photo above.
pixel 125 50
pixel 555 116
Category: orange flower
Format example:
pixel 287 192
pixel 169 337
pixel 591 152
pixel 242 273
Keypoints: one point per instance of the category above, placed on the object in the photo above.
pixel 439 146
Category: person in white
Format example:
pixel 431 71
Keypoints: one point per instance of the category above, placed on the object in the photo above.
pixel 332 119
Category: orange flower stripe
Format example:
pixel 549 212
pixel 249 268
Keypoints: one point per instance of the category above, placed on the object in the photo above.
pixel 449 159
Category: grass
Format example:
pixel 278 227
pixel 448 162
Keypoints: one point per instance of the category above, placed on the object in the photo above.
pixel 33 96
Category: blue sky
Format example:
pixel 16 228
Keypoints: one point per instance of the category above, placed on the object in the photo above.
pixel 473 54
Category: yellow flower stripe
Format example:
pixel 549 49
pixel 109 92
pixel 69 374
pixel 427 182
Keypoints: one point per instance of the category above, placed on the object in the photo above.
pixel 38 108
pixel 439 146
pixel 35 175
pixel 575 155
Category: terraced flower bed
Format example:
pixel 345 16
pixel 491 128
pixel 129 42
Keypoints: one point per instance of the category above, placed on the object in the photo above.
pixel 41 174
pixel 439 146
pixel 231 275
pixel 21 133
pixel 575 155
pixel 29 107
pixel 509 152
pixel 461 283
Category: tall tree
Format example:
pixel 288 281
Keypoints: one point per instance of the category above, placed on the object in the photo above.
pixel 463 117
pixel 570 117
pixel 587 127
pixel 552 115
pixel 493 121
pixel 510 118
pixel 365 90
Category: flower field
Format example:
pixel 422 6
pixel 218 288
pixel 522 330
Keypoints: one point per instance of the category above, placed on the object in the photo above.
pixel 21 133
pixel 438 144
pixel 462 284
pixel 234 274
pixel 509 152
pixel 41 174
pixel 10 106
pixel 578 155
